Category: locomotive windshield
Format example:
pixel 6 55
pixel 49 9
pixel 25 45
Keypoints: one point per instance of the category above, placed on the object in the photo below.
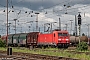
pixel 62 34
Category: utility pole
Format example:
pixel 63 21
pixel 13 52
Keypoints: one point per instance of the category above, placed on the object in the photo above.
pixel 21 29
pixel 51 25
pixel 88 28
pixel 39 29
pixel 9 50
pixel 75 26
pixel 71 26
pixel 30 25
pixel 9 27
pixel 7 23
pixel 29 28
pixel 66 26
pixel 37 22
pixel 59 24
pixel 15 25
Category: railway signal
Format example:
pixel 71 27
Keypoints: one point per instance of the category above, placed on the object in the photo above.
pixel 79 23
pixel 79 19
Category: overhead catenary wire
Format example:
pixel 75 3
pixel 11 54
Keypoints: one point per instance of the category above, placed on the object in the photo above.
pixel 68 8
pixel 42 4
pixel 56 4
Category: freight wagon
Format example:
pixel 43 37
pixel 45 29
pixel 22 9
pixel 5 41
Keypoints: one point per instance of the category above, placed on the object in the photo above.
pixel 32 39
pixel 22 39
pixel 17 39
pixel 74 40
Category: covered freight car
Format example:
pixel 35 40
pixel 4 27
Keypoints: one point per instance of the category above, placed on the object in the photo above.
pixel 16 39
pixel 22 39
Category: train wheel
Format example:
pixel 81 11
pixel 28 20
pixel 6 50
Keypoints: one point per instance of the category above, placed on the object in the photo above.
pixel 59 46
pixel 66 45
pixel 45 47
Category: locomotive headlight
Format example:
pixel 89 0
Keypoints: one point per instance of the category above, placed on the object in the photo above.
pixel 59 39
pixel 67 39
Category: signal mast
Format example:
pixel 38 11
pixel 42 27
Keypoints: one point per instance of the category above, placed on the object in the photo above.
pixel 79 23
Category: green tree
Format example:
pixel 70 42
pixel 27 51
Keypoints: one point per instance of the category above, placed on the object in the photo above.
pixel 82 46
pixel 2 43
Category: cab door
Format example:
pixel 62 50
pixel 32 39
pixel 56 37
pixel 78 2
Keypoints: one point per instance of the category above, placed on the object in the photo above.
pixel 54 40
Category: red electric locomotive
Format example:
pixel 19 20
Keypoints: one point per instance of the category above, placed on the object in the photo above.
pixel 56 38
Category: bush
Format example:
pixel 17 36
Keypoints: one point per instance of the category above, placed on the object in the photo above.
pixel 2 43
pixel 82 46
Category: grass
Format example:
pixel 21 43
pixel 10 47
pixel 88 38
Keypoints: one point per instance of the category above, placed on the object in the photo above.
pixel 62 53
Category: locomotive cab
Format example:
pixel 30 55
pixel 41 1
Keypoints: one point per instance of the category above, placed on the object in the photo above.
pixel 62 38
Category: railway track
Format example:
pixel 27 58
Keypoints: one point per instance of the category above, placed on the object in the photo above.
pixel 70 49
pixel 28 56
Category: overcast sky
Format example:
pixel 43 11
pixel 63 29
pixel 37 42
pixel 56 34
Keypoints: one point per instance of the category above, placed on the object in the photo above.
pixel 49 11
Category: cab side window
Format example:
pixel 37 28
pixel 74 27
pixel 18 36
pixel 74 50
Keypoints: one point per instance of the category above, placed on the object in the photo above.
pixel 54 34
